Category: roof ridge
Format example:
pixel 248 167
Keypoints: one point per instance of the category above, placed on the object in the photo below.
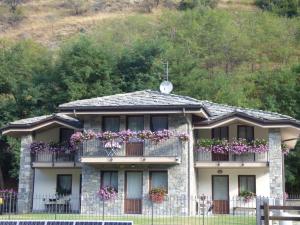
pixel 175 95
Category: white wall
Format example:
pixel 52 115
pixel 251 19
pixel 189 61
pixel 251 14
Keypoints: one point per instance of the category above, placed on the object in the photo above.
pixel 205 180
pixel 45 186
pixel 49 135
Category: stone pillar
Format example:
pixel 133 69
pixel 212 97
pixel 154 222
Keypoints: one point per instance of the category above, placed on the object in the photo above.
pixel 179 186
pixel 25 176
pixel 90 203
pixel 276 164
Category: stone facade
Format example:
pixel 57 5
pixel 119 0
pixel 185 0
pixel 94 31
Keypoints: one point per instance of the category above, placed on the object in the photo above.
pixel 276 164
pixel 178 182
pixel 24 203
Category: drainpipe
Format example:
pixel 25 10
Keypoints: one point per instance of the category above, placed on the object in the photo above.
pixel 74 112
pixel 189 163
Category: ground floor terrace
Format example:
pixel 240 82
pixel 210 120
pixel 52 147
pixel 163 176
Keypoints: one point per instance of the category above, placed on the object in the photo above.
pixel 76 190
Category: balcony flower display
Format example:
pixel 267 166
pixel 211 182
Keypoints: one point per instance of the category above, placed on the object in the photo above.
pixel 157 195
pixel 76 138
pixel 36 147
pixel 124 136
pixel 236 146
pixel 239 146
pixel 107 193
pixel 145 134
pixel 247 196
pixel 259 145
pixel 183 137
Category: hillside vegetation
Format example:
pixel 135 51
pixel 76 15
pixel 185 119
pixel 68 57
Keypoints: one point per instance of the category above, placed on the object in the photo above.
pixel 51 21
pixel 231 54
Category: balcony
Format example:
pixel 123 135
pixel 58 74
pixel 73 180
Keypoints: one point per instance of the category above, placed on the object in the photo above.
pixel 133 152
pixel 230 160
pixel 55 159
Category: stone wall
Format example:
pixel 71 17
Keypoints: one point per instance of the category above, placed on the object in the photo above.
pixel 178 182
pixel 276 164
pixel 24 203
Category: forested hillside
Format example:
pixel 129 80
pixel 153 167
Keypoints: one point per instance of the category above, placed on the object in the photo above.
pixel 248 58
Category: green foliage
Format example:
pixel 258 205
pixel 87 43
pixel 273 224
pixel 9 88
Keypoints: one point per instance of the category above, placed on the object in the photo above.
pixel 288 8
pixel 245 59
pixel 191 4
pixel 135 66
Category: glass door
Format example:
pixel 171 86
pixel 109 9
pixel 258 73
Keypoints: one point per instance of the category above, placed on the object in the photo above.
pixel 220 192
pixel 133 192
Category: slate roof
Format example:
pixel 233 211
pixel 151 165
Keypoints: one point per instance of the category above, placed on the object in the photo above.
pixel 220 110
pixel 29 122
pixel 138 99
pixel 154 100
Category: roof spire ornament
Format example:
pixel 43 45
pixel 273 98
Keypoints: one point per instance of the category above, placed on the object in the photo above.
pixel 166 86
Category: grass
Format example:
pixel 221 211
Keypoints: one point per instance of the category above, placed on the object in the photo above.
pixel 143 219
pixel 50 22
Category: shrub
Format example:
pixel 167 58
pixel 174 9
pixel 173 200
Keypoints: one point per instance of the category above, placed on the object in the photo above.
pixel 16 17
pixel 148 5
pixel 78 6
pixel 287 8
pixel 190 4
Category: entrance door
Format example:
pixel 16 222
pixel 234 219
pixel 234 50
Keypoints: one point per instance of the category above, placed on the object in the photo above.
pixel 220 192
pixel 133 192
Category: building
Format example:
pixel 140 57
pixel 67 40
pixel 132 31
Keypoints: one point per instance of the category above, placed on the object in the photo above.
pixel 181 167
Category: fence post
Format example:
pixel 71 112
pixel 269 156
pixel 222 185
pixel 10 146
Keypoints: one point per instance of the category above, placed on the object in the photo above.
pixel 258 211
pixel 266 213
pixel 203 209
pixel 152 214
pixel 102 209
pixel 10 201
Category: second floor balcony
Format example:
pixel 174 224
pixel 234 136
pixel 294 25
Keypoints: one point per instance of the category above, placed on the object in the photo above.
pixel 132 152
pixel 238 153
pixel 55 159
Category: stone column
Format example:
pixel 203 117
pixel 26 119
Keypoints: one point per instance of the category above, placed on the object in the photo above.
pixel 25 176
pixel 276 164
pixel 90 203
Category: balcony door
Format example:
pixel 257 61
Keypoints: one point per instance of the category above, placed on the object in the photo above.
pixel 220 194
pixel 135 148
pixel 220 133
pixel 133 192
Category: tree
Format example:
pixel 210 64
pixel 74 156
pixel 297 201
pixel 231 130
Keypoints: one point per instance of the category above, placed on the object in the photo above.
pixel 84 69
pixel 288 8
pixel 135 66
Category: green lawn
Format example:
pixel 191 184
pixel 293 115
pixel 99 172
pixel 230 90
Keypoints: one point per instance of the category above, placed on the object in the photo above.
pixel 143 220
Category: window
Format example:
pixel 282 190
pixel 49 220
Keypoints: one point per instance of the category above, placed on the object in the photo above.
pixel 135 123
pixel 220 133
pixel 159 179
pixel 247 183
pixel 246 132
pixel 109 178
pixel 65 135
pixel 159 123
pixel 64 184
pixel 111 123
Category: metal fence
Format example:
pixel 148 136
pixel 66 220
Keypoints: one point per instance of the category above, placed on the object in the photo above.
pixel 174 210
